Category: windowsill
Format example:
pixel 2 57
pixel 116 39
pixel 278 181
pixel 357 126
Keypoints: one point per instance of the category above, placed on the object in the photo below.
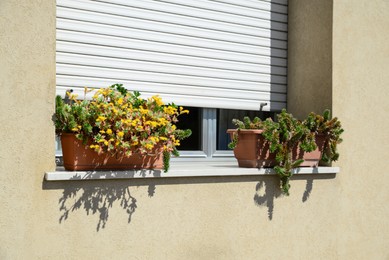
pixel 179 169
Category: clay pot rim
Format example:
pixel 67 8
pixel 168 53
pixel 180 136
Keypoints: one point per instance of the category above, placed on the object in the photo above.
pixel 245 131
pixel 260 131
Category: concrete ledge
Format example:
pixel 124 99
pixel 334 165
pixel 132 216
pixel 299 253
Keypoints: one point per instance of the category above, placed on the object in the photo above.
pixel 183 169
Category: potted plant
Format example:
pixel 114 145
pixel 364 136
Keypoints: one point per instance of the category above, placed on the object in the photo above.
pixel 117 129
pixel 287 143
pixel 328 127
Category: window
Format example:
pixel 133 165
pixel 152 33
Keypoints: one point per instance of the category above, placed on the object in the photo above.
pixel 219 58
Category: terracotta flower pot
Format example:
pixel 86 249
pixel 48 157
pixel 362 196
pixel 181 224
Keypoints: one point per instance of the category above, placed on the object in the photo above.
pixel 252 150
pixel 77 156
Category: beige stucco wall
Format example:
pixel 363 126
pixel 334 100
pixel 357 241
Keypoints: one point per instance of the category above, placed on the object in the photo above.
pixel 361 100
pixel 331 217
pixel 355 87
pixel 27 80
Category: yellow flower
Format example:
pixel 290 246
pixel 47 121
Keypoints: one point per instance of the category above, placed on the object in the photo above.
pixel 135 122
pixel 154 139
pixel 163 138
pixel 106 142
pixel 100 118
pixel 120 101
pixel 109 131
pixel 182 111
pixel 158 100
pixel 149 146
pixel 74 129
pixel 121 134
pixel 143 111
pixel 169 110
pixel 153 124
pixel 162 121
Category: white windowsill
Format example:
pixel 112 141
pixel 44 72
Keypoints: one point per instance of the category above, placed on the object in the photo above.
pixel 183 169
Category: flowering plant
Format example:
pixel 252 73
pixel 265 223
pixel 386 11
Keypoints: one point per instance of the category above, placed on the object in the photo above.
pixel 121 123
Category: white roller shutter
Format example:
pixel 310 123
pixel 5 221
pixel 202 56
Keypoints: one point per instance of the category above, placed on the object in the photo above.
pixel 204 53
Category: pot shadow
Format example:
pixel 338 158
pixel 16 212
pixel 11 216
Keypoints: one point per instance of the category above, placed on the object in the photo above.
pixel 268 189
pixel 96 198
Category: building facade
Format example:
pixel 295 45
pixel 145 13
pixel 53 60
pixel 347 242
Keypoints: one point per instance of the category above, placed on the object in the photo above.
pixel 337 59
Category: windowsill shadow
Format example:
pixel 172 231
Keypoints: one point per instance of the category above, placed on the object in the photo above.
pixel 97 197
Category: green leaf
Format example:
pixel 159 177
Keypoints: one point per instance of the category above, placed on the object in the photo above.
pixel 297 163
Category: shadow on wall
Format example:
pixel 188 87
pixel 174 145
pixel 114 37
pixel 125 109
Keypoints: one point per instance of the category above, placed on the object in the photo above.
pixel 268 188
pixel 266 191
pixel 97 197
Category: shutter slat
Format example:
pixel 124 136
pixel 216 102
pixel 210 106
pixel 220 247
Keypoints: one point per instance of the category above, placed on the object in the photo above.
pixel 172 70
pixel 198 100
pixel 154 89
pixel 211 11
pixel 224 42
pixel 277 6
pixel 220 32
pixel 136 55
pixel 89 71
pixel 120 42
pixel 136 85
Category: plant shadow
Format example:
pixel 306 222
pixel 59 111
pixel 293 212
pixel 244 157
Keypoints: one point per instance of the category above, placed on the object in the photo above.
pixel 268 189
pixel 97 198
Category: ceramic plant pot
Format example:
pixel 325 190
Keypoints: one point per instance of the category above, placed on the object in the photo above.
pixel 252 150
pixel 77 156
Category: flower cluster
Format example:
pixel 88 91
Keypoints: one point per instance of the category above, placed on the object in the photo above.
pixel 121 122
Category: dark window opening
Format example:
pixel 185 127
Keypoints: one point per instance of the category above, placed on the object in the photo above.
pixel 191 121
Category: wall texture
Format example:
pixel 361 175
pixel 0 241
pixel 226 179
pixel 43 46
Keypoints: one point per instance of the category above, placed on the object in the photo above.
pixel 361 99
pixel 331 217
pixel 27 88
